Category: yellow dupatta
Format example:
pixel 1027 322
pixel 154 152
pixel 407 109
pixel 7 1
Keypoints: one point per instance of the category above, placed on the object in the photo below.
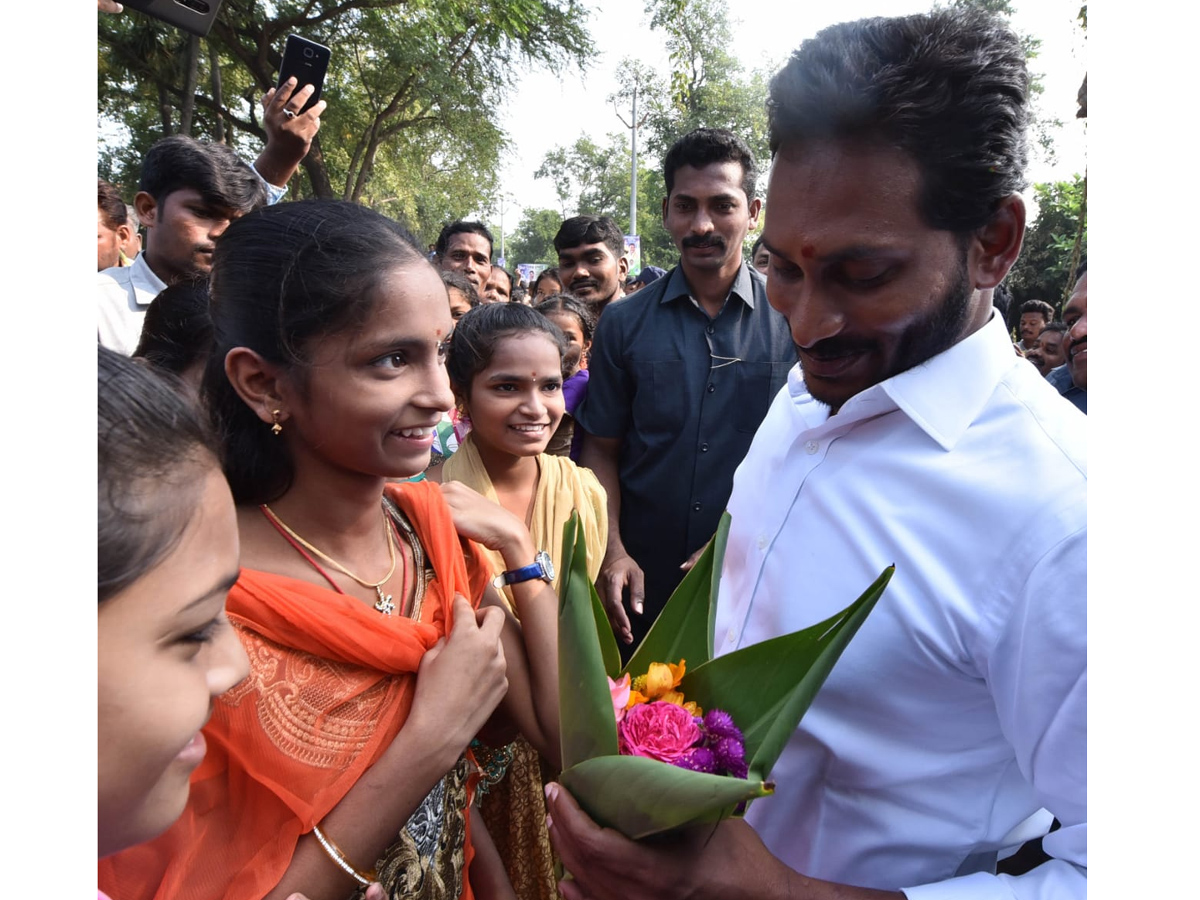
pixel 562 487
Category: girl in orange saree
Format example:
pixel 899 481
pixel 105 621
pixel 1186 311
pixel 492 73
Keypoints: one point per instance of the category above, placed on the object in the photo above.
pixel 377 648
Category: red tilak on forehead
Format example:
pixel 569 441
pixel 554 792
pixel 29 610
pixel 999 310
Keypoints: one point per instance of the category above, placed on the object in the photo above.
pixel 807 251
pixel 438 333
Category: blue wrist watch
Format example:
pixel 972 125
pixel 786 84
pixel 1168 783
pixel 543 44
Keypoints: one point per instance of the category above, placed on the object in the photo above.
pixel 541 568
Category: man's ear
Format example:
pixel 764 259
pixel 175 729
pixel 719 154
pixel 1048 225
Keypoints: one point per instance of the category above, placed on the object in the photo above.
pixel 147 209
pixel 623 269
pixel 664 210
pixel 257 382
pixel 755 209
pixel 996 246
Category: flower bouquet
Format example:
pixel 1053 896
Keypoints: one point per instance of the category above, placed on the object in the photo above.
pixel 677 737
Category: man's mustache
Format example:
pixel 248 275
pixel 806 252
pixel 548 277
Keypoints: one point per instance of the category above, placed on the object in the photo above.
pixel 709 240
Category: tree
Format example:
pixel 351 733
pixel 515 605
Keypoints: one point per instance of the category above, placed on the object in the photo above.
pixel 707 87
pixel 533 240
pixel 591 179
pixel 413 87
pixel 1043 271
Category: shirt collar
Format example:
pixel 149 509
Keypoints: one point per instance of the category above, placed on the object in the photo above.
pixel 141 273
pixel 677 286
pixel 942 395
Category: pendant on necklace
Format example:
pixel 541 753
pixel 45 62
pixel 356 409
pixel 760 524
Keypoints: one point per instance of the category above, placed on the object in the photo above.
pixel 384 604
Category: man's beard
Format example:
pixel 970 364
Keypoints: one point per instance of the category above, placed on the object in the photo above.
pixel 941 329
pixel 933 333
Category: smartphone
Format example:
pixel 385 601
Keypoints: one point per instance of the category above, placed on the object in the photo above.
pixel 307 61
pixel 195 16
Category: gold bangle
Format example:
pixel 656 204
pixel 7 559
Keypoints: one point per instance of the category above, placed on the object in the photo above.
pixel 335 853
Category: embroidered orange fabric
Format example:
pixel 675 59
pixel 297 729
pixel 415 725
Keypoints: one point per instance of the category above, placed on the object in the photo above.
pixel 331 683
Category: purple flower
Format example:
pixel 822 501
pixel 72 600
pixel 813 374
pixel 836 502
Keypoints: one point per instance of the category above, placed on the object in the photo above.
pixel 719 723
pixel 701 759
pixel 731 756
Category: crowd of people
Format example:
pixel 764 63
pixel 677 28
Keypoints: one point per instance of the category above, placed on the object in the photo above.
pixel 335 463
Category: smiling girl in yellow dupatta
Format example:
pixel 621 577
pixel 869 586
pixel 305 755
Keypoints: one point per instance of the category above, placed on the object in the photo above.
pixel 506 369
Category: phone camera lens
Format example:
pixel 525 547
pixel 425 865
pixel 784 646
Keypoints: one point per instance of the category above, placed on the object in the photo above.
pixel 308 51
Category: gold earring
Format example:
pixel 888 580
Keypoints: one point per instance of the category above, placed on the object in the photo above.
pixel 276 428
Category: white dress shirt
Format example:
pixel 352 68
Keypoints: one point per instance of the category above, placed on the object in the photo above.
pixel 125 292
pixel 959 709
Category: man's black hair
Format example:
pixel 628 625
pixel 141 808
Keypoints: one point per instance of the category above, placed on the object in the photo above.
pixel 950 88
pixel 1038 306
pixel 590 230
pixel 462 227
pixel 215 171
pixel 706 147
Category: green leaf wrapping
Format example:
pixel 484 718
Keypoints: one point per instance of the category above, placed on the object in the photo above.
pixel 682 629
pixel 640 797
pixel 586 722
pixel 766 688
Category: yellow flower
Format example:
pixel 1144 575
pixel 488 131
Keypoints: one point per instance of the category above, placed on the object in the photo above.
pixel 663 677
pixel 678 699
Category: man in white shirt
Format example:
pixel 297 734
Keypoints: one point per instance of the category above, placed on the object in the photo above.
pixel 955 723
pixel 188 192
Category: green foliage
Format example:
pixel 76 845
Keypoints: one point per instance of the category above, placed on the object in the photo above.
pixel 413 88
pixel 593 180
pixel 1043 270
pixel 533 241
pixel 706 87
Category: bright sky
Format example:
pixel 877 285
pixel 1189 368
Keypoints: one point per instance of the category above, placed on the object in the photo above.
pixel 766 32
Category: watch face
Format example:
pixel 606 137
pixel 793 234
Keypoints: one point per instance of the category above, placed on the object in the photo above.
pixel 547 565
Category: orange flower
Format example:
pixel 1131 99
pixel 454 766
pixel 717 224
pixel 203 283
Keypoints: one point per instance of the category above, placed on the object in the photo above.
pixel 659 683
pixel 663 677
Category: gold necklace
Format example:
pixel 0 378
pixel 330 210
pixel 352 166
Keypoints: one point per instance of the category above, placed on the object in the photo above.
pixel 384 604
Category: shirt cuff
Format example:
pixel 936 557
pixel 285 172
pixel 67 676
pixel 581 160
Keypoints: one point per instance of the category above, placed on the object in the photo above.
pixel 274 192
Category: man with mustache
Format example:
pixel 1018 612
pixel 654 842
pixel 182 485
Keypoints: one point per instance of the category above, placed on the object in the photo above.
pixel 1047 352
pixel 1071 378
pixel 954 725
pixel 591 260
pixel 682 373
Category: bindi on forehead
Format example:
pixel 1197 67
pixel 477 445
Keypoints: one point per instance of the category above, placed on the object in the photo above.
pixel 808 251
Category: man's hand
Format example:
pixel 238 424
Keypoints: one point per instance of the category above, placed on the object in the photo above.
pixel 289 132
pixel 726 861
pixel 694 558
pixel 109 6
pixel 706 861
pixel 617 571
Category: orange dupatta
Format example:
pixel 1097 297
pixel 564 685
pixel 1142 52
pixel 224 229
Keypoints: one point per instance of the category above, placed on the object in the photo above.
pixel 331 683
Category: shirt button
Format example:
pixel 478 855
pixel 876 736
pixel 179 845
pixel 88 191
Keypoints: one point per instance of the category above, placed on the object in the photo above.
pixel 711 330
pixel 762 542
pixel 811 447
pixel 704 448
pixel 695 507
pixel 711 388
pixel 731 637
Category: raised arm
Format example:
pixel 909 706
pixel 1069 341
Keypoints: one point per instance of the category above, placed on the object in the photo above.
pixel 289 137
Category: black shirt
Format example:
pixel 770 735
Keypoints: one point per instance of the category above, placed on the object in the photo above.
pixel 685 394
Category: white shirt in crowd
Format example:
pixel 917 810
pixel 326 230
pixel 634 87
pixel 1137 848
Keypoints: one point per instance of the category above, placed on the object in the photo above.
pixel 125 292
pixel 960 708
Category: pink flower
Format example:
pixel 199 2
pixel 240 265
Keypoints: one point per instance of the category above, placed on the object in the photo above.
pixel 620 696
pixel 658 730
